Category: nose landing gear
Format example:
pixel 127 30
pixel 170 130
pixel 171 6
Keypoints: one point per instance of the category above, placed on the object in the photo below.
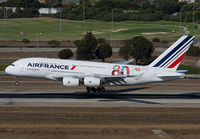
pixel 93 89
pixel 17 81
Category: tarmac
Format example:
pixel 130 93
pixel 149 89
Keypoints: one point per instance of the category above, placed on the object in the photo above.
pixel 45 109
pixel 37 92
pixel 130 97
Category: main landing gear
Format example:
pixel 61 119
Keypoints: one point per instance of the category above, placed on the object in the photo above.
pixel 92 89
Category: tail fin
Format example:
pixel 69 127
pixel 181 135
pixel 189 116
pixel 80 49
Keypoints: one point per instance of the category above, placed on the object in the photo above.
pixel 173 56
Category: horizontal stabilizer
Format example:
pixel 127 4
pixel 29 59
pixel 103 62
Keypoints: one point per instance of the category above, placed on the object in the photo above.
pixel 181 71
pixel 171 76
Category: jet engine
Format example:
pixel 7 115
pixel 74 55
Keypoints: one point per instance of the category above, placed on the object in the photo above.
pixel 70 82
pixel 91 81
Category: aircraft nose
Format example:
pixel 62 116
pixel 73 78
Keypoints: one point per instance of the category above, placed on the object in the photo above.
pixel 8 70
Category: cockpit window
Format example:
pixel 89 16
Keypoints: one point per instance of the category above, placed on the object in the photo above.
pixel 13 65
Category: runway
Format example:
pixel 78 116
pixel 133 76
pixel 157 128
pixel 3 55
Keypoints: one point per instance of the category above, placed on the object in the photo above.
pixel 180 93
pixel 40 108
pixel 123 98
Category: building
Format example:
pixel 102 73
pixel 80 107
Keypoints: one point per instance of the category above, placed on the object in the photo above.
pixel 3 1
pixel 71 1
pixel 151 1
pixel 63 1
pixel 188 1
pixel 49 10
pixel 13 9
pixel 41 1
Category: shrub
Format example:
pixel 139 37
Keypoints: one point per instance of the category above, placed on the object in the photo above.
pixel 25 41
pixel 65 54
pixel 156 40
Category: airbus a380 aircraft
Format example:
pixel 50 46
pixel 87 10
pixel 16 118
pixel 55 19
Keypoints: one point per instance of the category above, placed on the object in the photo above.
pixel 96 75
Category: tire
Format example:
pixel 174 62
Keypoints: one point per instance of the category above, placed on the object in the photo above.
pixel 93 89
pixel 16 83
pixel 103 89
pixel 88 89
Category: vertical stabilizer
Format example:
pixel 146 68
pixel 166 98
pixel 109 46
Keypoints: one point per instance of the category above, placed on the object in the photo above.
pixel 173 56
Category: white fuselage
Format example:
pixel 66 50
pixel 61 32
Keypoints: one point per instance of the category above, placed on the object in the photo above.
pixel 55 69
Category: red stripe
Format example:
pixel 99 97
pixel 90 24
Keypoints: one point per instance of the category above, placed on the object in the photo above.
pixel 73 68
pixel 177 61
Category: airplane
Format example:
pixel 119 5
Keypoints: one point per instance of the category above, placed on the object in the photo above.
pixel 96 75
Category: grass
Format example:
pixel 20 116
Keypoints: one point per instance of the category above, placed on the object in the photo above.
pixel 146 30
pixel 73 30
pixel 3 67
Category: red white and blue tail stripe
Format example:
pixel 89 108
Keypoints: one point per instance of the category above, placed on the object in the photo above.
pixel 173 56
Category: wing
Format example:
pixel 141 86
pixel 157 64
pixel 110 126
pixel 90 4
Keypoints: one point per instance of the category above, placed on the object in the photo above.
pixel 105 79
pixel 125 62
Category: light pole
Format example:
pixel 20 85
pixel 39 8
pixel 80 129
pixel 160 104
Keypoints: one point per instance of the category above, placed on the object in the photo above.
pixel 193 18
pixel 111 43
pixel 180 22
pixel 5 17
pixel 83 11
pixel 4 25
pixel 37 40
pixel 60 29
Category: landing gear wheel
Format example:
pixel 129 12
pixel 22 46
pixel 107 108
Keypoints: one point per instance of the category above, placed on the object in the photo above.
pixel 93 89
pixel 100 89
pixel 88 89
pixel 103 89
pixel 16 83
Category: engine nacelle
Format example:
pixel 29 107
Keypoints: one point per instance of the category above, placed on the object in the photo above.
pixel 91 81
pixel 70 81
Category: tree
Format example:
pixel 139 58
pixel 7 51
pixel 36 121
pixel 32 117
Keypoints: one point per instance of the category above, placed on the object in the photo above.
pixel 54 43
pixel 25 41
pixel 141 48
pixel 101 40
pixel 103 51
pixel 30 12
pixel 65 54
pixel 18 13
pixel 2 11
pixel 167 6
pixel 124 51
pixel 36 4
pixel 86 47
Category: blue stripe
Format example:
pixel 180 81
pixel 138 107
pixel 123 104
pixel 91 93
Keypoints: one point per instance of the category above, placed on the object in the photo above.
pixel 174 50
pixel 177 53
pixel 177 56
